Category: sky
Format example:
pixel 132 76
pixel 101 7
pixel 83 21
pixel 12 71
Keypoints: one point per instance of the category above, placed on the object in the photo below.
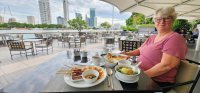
pixel 20 9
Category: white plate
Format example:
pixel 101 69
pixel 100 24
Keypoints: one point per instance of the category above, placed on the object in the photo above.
pixel 131 81
pixel 83 84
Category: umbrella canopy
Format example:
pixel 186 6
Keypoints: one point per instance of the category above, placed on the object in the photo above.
pixel 186 9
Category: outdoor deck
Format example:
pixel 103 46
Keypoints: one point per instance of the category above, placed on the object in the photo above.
pixel 12 70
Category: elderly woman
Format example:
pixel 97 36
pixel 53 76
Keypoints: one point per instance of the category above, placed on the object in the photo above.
pixel 160 54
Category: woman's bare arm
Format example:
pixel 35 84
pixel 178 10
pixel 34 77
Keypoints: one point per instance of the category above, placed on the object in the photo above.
pixel 167 63
pixel 135 52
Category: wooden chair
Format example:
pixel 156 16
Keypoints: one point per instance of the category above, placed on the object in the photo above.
pixel 18 46
pixel 187 77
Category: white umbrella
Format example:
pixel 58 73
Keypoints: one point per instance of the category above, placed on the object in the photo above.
pixel 187 9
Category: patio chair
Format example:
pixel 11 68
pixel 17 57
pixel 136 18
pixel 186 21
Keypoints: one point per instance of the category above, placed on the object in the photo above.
pixel 110 42
pixel 82 40
pixel 66 40
pixel 45 46
pixel 18 46
pixel 187 77
pixel 93 38
pixel 125 45
pixel 60 40
pixel 78 40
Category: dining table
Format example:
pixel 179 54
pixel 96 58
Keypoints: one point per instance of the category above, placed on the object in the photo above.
pixel 45 78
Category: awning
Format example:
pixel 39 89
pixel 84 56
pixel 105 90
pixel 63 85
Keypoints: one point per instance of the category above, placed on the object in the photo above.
pixel 186 9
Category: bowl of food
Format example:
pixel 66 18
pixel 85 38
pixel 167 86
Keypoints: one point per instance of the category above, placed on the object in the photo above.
pixel 90 76
pixel 111 62
pixel 124 62
pixel 127 72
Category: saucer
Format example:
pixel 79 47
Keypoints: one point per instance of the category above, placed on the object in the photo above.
pixel 101 64
pixel 127 81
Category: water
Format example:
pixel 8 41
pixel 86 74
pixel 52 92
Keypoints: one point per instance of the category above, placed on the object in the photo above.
pixel 27 36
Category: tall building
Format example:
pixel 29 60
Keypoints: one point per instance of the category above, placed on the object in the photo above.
pixel 95 22
pixel 87 20
pixel 92 17
pixel 61 20
pixel 31 20
pixel 66 12
pixel 1 19
pixel 11 20
pixel 45 13
pixel 78 15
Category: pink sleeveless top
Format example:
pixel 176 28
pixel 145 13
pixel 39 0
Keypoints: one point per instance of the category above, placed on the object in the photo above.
pixel 151 54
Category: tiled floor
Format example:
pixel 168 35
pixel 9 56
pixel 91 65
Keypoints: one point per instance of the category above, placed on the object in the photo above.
pixel 11 70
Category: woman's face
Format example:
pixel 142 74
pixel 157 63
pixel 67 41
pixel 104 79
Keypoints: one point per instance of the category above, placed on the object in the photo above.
pixel 163 23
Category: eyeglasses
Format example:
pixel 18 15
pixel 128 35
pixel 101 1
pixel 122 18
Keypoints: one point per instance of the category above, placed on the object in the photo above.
pixel 159 19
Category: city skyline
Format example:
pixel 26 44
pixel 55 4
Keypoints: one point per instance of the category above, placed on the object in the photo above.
pixel 21 9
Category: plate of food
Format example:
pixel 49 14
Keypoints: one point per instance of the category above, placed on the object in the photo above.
pixel 113 56
pixel 76 79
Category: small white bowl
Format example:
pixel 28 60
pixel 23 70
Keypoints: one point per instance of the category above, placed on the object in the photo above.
pixel 124 62
pixel 126 76
pixel 90 72
pixel 111 63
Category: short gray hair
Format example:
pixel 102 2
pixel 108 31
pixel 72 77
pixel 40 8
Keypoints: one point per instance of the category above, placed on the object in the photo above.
pixel 166 12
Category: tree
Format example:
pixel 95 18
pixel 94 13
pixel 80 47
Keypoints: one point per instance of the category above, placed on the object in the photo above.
pixel 135 19
pixel 129 21
pixel 194 24
pixel 149 21
pixel 138 18
pixel 77 24
pixel 105 25
pixel 181 24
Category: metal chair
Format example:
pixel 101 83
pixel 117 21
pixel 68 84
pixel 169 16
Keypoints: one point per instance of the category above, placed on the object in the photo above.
pixel 82 40
pixel 66 40
pixel 126 45
pixel 187 77
pixel 18 46
pixel 60 40
pixel 46 46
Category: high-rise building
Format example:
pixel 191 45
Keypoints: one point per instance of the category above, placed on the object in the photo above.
pixel 60 20
pixel 1 19
pixel 31 19
pixel 78 15
pixel 92 17
pixel 66 12
pixel 95 22
pixel 45 13
pixel 87 20
pixel 11 20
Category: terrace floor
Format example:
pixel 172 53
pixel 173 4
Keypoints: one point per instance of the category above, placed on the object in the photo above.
pixel 11 70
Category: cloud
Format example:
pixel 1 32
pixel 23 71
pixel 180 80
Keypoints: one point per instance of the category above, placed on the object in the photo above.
pixel 22 8
pixel 109 20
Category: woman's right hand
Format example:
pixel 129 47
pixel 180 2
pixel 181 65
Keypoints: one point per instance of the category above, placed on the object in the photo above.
pixel 123 52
